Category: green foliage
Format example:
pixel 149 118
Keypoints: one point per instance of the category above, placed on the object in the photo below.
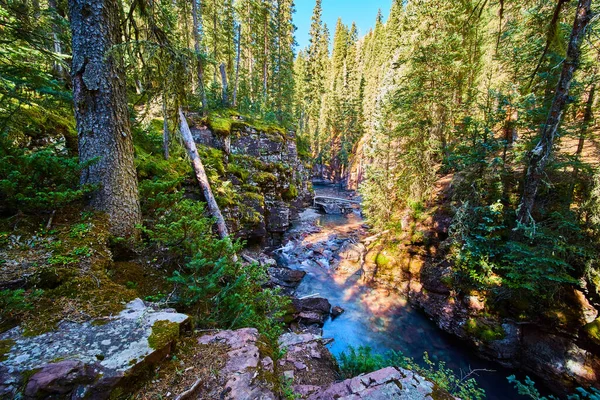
pixel 489 255
pixel 212 282
pixel 528 389
pixel 39 180
pixel 15 302
pixel 362 360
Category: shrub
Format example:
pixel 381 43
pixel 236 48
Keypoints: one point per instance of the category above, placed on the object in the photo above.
pixel 39 180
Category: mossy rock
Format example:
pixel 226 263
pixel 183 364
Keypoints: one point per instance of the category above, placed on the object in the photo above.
pixel 484 331
pixel 219 124
pixel 290 193
pixel 5 347
pixel 592 331
pixel 163 333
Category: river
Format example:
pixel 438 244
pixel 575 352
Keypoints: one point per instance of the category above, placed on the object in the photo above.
pixel 376 317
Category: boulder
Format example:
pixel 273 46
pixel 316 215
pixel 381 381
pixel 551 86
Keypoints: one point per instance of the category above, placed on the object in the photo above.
pixel 286 277
pixel 386 383
pixel 336 312
pixel 307 361
pixel 244 363
pixel 94 358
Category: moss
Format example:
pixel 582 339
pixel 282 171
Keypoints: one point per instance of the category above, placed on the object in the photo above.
pixel 484 331
pixel 290 193
pixel 5 347
pixel 592 330
pixel 239 171
pixel 163 333
pixel 263 178
pixel 221 125
pixel 382 260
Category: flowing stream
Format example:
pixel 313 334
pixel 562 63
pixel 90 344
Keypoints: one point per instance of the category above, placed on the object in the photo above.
pixel 375 317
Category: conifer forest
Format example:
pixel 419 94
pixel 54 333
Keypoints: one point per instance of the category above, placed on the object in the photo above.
pixel 245 199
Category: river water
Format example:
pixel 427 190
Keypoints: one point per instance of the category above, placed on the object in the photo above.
pixel 373 316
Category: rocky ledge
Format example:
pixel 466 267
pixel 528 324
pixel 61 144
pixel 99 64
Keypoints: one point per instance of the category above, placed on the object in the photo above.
pixel 308 368
pixel 261 164
pixel 89 360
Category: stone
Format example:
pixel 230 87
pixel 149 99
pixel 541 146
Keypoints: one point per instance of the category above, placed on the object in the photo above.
pixel 316 304
pixel 336 312
pixel 285 277
pixel 59 379
pixel 384 384
pixel 95 358
pixel 243 364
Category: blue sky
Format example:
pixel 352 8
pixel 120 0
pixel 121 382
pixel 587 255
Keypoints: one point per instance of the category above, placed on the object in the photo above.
pixel 360 11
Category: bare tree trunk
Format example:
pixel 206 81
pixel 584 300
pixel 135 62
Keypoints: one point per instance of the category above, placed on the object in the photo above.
pixel 266 54
pixel 190 146
pixel 165 127
pixel 540 155
pixel 224 84
pixel 196 16
pixel 237 65
pixel 58 68
pixel 102 115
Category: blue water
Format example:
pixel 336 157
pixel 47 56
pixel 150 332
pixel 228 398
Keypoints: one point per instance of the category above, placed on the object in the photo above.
pixel 385 321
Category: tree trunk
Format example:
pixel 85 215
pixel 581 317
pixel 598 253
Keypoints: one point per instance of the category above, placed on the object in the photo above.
pixel 237 65
pixel 102 115
pixel 196 16
pixel 165 128
pixel 224 84
pixel 266 56
pixel 540 155
pixel 58 68
pixel 190 146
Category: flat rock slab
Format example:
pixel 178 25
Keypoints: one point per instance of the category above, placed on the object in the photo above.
pixel 386 383
pixel 86 359
pixel 244 361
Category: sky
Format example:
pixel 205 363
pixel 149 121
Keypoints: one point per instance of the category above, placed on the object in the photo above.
pixel 360 11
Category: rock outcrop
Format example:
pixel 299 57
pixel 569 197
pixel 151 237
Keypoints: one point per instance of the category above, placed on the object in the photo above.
pixel 386 383
pixel 261 162
pixel 88 360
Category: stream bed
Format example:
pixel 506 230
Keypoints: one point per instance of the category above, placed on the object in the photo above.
pixel 374 317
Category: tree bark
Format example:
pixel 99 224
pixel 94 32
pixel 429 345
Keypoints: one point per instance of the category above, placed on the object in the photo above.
pixel 102 115
pixel 190 146
pixel 196 16
pixel 237 65
pixel 165 128
pixel 224 84
pixel 58 68
pixel 540 155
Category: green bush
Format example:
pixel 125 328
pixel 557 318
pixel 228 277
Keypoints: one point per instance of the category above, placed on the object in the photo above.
pixel 39 180
pixel 221 291
pixel 534 262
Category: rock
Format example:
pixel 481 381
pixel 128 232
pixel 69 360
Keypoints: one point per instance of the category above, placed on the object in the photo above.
pixel 60 378
pixel 336 312
pixel 311 310
pixel 316 304
pixel 387 383
pixel 307 359
pixel 352 251
pixel 286 277
pixel 561 362
pixel 96 358
pixel 244 362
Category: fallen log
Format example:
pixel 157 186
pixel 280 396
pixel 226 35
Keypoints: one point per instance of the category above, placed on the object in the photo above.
pixel 190 146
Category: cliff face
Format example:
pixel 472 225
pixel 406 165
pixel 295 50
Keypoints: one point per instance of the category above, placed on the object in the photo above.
pixel 262 183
